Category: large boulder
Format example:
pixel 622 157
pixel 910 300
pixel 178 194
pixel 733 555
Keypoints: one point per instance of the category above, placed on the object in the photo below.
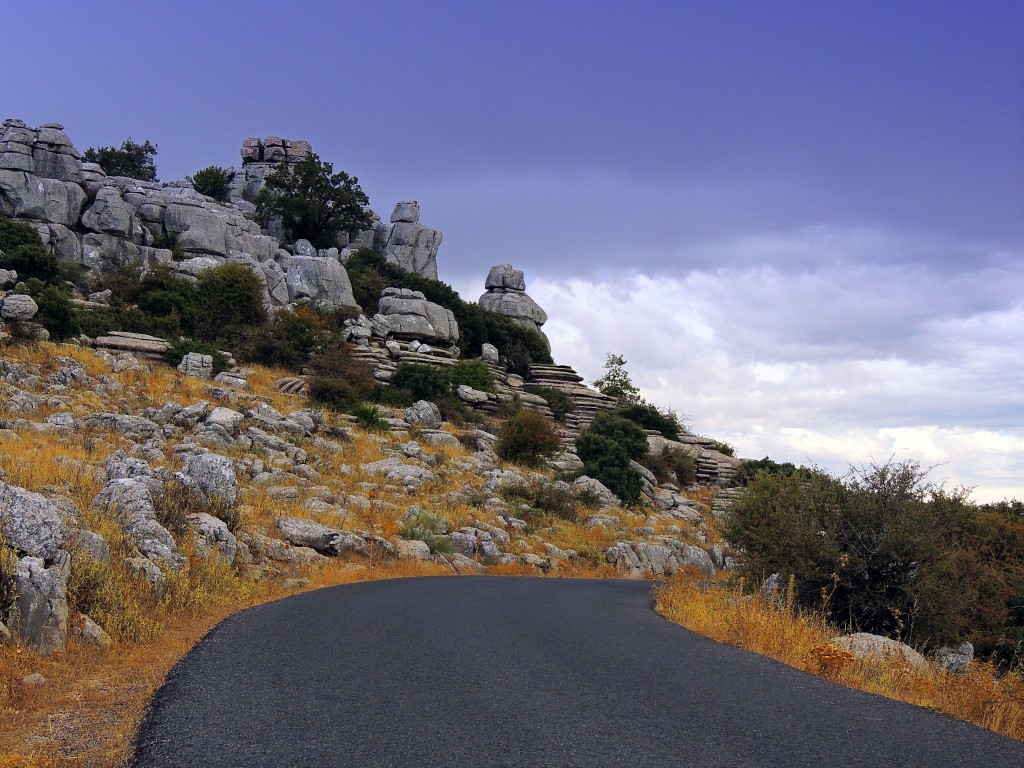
pixel 864 645
pixel 198 229
pixel 211 477
pixel 423 413
pixel 30 523
pixel 28 196
pixel 410 316
pixel 18 307
pixel 39 617
pixel 212 535
pixel 319 280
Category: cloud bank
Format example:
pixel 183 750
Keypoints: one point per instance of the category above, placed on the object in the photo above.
pixel 822 345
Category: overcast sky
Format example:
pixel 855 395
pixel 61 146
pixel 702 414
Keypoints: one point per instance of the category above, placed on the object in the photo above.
pixel 800 222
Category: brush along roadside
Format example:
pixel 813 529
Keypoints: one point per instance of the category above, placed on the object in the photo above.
pixel 770 625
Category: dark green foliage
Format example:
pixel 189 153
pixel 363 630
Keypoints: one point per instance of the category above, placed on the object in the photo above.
pixel 556 499
pixel 472 373
pixel 881 549
pixel 342 383
pixel 212 181
pixel 24 252
pixel 620 430
pixel 55 313
pixel 424 382
pixel 179 348
pixel 313 202
pixel 527 438
pixel 371 274
pixel 369 417
pixel 672 466
pixel 131 159
pixel 725 448
pixel 229 295
pixel 649 417
pixel 606 448
pixel 558 401
pixel 748 469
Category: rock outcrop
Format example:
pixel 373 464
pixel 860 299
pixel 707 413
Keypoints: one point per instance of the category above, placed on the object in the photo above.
pixel 105 223
pixel 506 295
pixel 406 242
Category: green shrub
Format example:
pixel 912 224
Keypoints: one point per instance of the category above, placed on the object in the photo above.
pixel 556 499
pixel 181 347
pixel 648 416
pixel 622 431
pixel 212 181
pixel 396 397
pixel 527 438
pixel 428 527
pixel 606 448
pixel 342 382
pixel 425 382
pixel 229 295
pixel 132 160
pixel 748 469
pixel 55 312
pixel 881 549
pixel 672 466
pixel 369 417
pixel 725 448
pixel 472 373
pixel 558 401
pixel 313 202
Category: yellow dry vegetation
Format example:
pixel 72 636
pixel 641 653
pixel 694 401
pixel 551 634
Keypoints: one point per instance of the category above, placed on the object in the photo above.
pixel 772 627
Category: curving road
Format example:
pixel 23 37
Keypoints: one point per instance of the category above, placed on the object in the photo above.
pixel 524 673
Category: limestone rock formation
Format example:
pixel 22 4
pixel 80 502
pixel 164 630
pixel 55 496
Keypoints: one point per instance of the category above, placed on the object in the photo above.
pixel 406 242
pixel 39 617
pixel 410 316
pixel 506 295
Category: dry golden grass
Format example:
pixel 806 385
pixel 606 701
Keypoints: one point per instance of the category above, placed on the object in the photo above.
pixel 803 640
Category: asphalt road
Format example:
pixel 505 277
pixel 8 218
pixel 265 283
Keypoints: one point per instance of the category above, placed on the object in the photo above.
pixel 491 671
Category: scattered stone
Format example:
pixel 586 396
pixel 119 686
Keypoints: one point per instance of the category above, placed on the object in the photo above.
pixel 955 658
pixel 197 365
pixel 213 535
pixel 40 612
pixel 35 680
pixel 91 633
pixel 864 645
pixel 148 570
pixel 30 523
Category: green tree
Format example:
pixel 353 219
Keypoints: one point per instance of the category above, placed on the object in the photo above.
pixel 212 181
pixel 617 383
pixel 131 159
pixel 606 448
pixel 313 202
pixel 229 295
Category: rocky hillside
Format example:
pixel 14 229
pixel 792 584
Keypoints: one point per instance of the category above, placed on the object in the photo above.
pixel 123 471
pixel 120 470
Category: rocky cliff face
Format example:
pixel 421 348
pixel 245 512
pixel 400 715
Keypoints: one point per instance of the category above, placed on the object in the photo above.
pixel 104 223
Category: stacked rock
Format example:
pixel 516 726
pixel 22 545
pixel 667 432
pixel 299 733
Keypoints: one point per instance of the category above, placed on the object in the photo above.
pixel 586 402
pixel 408 243
pixel 506 295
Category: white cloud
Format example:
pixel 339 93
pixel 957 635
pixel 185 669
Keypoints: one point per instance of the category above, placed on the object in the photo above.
pixel 829 360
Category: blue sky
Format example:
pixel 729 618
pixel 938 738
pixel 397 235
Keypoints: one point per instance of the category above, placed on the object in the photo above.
pixel 801 222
